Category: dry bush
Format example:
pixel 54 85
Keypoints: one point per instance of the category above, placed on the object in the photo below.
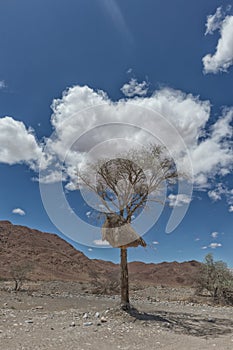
pixel 19 273
pixel 106 287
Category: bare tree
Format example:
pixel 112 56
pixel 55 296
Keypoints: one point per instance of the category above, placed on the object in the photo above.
pixel 19 273
pixel 124 186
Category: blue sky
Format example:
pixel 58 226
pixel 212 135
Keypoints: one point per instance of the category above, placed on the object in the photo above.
pixel 174 56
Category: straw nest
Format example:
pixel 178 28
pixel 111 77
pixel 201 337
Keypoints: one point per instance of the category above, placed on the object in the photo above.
pixel 120 234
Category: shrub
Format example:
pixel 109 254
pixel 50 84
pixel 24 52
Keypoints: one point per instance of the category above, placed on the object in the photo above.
pixel 217 280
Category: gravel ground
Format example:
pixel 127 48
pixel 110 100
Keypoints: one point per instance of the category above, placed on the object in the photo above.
pixel 64 316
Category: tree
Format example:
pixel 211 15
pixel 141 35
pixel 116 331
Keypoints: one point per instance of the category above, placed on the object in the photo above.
pixel 19 274
pixel 124 186
pixel 217 279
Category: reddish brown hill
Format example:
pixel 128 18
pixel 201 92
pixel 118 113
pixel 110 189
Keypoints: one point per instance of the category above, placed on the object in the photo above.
pixel 52 258
pixel 165 273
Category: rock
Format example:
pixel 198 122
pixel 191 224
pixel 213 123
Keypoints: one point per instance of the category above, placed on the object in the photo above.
pixel 97 315
pixel 103 319
pixel 85 316
pixel 28 321
pixel 88 324
pixel 72 324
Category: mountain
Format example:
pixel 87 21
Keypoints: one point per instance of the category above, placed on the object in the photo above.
pixel 49 257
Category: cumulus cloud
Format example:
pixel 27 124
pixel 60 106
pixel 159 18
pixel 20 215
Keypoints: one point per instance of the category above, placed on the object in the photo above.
pixel 231 208
pixel 134 88
pixel 155 242
pixel 100 242
pixel 222 59
pixel 83 118
pixel 87 121
pixel 178 200
pixel 18 144
pixel 215 245
pixel 18 211
pixel 214 234
pixel 204 247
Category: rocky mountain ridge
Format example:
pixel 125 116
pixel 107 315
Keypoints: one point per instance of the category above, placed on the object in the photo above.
pixel 52 258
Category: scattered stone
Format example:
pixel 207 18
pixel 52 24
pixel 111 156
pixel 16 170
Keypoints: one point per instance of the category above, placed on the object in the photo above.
pixel 85 316
pixel 72 324
pixel 88 324
pixel 103 319
pixel 211 320
pixel 38 308
pixel 28 321
pixel 97 315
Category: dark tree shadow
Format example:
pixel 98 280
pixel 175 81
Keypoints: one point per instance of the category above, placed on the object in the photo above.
pixel 196 325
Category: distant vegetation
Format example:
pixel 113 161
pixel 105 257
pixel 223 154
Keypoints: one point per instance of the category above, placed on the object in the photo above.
pixel 216 279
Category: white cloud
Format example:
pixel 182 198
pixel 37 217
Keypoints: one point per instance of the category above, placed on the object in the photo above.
pixel 100 242
pixel 73 115
pixel 204 247
pixel 18 211
pixel 221 191
pixel 52 177
pixel 155 242
pixel 222 59
pixel 88 214
pixel 231 209
pixel 214 195
pixel 197 239
pixel 2 84
pixel 215 245
pixel 83 118
pixel 17 144
pixel 134 88
pixel 214 234
pixel 214 21
pixel 90 249
pixel 178 200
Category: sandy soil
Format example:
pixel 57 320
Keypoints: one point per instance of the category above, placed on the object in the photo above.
pixel 65 316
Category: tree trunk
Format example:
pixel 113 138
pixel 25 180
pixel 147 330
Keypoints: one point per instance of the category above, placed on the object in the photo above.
pixel 124 280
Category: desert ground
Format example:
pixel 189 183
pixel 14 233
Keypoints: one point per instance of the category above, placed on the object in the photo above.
pixel 68 316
